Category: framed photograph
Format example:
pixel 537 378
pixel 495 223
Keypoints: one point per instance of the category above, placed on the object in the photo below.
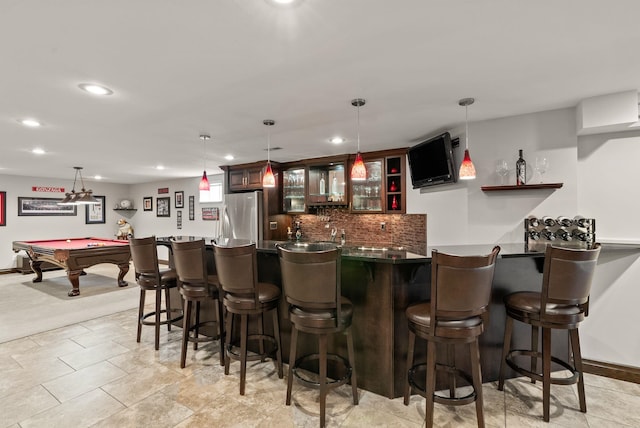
pixel 179 219
pixel 179 199
pixel 192 209
pixel 210 214
pixel 94 213
pixel 3 208
pixel 43 206
pixel 163 207
pixel 147 203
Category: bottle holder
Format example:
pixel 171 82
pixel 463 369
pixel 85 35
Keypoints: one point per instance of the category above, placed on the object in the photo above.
pixel 577 232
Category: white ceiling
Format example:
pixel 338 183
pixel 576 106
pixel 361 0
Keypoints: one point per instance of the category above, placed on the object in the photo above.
pixel 181 68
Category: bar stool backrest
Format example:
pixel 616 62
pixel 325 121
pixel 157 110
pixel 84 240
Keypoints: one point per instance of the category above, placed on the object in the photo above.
pixel 190 262
pixel 567 276
pixel 237 269
pixel 311 280
pixel 145 258
pixel 461 285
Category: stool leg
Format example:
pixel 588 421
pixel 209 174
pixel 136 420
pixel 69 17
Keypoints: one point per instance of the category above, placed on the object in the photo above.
pixel 546 372
pixel 158 309
pixel 508 328
pixel 196 332
pixel 451 361
pixel 228 342
pixel 577 364
pixel 276 334
pixel 221 330
pixel 476 373
pixel 261 332
pixel 140 314
pixel 292 362
pixel 244 331
pixel 185 332
pixel 167 305
pixel 410 351
pixel 430 383
pixel 352 363
pixel 323 378
pixel 534 349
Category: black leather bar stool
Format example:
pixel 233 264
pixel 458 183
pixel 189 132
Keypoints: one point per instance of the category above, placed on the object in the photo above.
pixel 312 287
pixel 563 304
pixel 196 285
pixel 150 278
pixel 455 315
pixel 245 296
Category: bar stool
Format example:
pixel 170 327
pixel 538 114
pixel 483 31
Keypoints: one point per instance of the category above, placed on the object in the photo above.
pixel 460 295
pixel 150 278
pixel 196 285
pixel 312 287
pixel 562 304
pixel 244 295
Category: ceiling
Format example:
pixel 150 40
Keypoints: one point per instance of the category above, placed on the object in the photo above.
pixel 182 68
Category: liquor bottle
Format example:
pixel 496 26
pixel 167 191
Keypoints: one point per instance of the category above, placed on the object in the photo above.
pixel 534 236
pixel 548 221
pixel 548 235
pixel 564 234
pixel 394 203
pixel 582 222
pixel 322 185
pixel 334 186
pixel 564 221
pixel 521 170
pixel 393 187
pixel 533 222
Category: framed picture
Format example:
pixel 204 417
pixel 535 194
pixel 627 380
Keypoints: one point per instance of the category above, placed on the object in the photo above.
pixel 43 206
pixel 210 213
pixel 179 199
pixel 147 203
pixel 3 208
pixel 94 213
pixel 179 219
pixel 192 210
pixel 163 207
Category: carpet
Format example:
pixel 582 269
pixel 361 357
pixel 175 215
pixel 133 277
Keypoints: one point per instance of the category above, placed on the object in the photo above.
pixel 27 308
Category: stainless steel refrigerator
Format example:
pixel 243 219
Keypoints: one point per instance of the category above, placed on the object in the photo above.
pixel 242 216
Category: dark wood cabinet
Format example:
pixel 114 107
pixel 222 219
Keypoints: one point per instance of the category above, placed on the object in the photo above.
pixel 247 178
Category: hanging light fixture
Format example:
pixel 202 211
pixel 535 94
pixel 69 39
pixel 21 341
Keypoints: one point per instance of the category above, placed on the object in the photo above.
pixel 268 179
pixel 467 170
pixel 358 170
pixel 83 197
pixel 204 182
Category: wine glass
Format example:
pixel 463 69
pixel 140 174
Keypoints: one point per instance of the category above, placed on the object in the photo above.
pixel 542 164
pixel 502 169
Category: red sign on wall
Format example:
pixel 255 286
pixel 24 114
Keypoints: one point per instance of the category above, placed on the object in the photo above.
pixel 163 190
pixel 48 189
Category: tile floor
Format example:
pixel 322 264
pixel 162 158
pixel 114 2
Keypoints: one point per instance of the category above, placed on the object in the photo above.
pixel 94 374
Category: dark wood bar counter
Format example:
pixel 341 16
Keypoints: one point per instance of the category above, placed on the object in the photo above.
pixel 381 283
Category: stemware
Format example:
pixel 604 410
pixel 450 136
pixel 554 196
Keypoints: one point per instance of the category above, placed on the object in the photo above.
pixel 542 164
pixel 502 169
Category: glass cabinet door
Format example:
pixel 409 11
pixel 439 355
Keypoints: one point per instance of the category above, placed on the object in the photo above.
pixel 367 195
pixel 293 190
pixel 327 184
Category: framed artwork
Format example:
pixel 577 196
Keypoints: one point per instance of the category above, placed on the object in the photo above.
pixel 163 207
pixel 192 207
pixel 43 206
pixel 179 199
pixel 3 208
pixel 210 213
pixel 162 190
pixel 179 219
pixel 147 203
pixel 94 213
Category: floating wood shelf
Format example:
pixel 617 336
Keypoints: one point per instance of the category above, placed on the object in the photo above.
pixel 125 209
pixel 523 187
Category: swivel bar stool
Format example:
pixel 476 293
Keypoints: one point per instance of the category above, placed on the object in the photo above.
pixel 196 285
pixel 460 295
pixel 563 304
pixel 150 278
pixel 245 296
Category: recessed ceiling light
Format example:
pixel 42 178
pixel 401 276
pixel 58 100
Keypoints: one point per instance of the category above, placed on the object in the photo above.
pixel 32 123
pixel 94 89
pixel 97 177
pixel 229 157
pixel 160 167
pixel 283 2
pixel 38 151
pixel 337 140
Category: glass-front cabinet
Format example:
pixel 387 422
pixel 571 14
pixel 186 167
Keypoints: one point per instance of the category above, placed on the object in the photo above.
pixel 367 196
pixel 395 181
pixel 294 190
pixel 327 184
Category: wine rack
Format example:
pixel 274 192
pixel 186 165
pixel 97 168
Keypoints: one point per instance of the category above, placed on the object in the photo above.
pixel 572 232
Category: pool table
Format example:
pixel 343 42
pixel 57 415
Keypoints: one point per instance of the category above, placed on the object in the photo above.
pixel 76 254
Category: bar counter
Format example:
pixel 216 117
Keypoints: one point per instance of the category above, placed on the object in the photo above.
pixel 381 283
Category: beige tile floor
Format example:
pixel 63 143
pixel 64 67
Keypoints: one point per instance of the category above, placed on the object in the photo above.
pixel 93 373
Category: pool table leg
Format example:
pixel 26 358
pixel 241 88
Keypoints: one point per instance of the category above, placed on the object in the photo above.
pixel 37 269
pixel 74 279
pixel 124 268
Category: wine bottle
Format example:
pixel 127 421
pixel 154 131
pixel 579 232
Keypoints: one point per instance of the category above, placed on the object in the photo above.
pixel 548 221
pixel 564 221
pixel 563 234
pixel 581 221
pixel 582 236
pixel 521 170
pixel 322 185
pixel 534 235
pixel 548 235
pixel 334 186
pixel 533 222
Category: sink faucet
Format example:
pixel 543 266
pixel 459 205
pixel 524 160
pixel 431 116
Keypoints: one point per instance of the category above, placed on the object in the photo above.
pixel 343 238
pixel 334 232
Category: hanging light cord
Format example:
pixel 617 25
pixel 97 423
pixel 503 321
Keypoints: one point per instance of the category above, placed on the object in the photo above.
pixel 268 145
pixel 466 126
pixel 358 120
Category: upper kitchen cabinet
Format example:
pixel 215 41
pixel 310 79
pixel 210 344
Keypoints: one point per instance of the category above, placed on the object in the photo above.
pixel 384 189
pixel 294 189
pixel 327 182
pixel 245 177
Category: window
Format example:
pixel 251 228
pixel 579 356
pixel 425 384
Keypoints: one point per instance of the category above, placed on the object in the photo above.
pixel 213 195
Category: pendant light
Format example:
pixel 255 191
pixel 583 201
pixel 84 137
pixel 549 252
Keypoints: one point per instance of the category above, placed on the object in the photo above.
pixel 204 182
pixel 358 170
pixel 83 197
pixel 268 180
pixel 467 170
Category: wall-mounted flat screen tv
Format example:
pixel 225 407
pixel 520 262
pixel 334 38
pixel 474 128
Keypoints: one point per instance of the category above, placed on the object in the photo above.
pixel 431 162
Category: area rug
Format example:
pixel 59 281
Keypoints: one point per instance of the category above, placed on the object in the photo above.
pixel 27 308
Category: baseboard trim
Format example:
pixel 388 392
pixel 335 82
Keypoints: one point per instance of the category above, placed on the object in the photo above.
pixel 614 371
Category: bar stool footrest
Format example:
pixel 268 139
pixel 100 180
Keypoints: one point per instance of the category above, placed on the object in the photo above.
pixel 537 376
pixel 163 322
pixel 202 338
pixel 331 383
pixel 233 349
pixel 450 401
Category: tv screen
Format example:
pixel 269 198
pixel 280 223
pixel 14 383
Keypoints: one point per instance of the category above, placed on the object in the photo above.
pixel 431 162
